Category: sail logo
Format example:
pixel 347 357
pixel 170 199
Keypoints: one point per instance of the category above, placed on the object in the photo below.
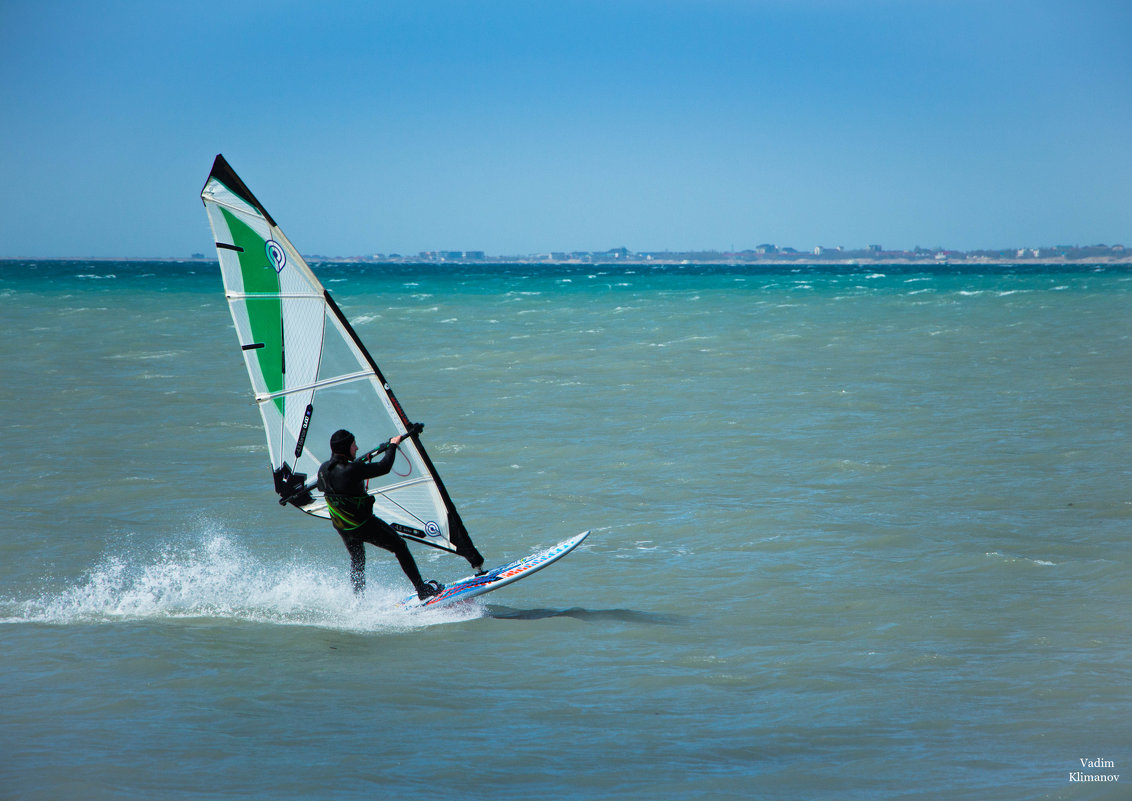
pixel 432 529
pixel 276 255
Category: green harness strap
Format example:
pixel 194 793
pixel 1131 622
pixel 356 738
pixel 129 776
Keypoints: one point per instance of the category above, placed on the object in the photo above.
pixel 342 518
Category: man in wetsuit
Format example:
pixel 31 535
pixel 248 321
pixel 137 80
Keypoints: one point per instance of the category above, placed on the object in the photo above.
pixel 342 479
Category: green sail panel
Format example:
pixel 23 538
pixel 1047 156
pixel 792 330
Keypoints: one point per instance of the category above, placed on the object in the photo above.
pixel 265 314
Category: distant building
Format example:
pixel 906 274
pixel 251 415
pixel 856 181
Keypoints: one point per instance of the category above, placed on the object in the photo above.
pixel 452 255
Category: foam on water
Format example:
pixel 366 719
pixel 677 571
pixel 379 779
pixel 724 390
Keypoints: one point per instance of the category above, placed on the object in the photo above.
pixel 216 578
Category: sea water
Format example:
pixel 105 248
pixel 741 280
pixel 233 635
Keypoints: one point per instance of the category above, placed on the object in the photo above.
pixel 857 534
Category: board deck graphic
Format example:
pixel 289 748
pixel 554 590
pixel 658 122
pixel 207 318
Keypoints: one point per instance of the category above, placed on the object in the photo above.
pixel 470 587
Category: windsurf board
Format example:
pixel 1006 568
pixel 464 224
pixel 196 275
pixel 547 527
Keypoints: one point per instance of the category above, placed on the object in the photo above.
pixel 470 587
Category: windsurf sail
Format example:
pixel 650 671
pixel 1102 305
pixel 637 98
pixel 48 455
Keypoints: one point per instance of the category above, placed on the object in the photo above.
pixel 311 374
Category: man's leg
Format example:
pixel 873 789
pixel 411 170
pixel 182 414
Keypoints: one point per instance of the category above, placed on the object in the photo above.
pixel 357 550
pixel 379 533
pixel 463 543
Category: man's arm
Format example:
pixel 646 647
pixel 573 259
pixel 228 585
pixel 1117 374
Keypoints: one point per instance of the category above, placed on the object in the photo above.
pixel 379 468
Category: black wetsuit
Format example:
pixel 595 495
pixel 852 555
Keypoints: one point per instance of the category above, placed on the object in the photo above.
pixel 351 511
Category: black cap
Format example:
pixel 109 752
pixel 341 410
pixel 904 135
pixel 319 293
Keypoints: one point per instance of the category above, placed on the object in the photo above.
pixel 340 441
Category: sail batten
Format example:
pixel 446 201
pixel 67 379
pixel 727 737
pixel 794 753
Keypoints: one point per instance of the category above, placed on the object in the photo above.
pixel 256 295
pixel 311 374
pixel 342 379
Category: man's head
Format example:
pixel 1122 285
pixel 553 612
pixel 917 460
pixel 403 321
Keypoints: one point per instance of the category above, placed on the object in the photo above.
pixel 340 442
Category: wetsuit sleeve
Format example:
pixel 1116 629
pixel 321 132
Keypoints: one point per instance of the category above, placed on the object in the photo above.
pixel 363 470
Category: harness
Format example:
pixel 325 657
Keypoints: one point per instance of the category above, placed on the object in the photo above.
pixel 347 512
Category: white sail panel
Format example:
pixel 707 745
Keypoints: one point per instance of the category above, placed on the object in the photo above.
pixel 311 375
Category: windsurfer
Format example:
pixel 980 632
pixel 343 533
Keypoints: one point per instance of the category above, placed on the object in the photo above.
pixel 342 479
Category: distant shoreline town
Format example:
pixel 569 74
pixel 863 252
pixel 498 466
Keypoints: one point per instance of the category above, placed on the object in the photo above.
pixel 764 254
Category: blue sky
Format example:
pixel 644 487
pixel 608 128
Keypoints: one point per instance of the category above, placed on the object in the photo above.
pixel 521 126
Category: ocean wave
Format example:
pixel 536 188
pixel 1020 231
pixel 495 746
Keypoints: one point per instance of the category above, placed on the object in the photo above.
pixel 142 356
pixel 1008 558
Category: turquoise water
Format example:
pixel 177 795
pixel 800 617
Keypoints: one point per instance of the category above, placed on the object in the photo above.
pixel 857 534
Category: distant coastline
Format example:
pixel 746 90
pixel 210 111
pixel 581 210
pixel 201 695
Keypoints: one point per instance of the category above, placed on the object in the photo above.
pixel 772 255
pixel 764 255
